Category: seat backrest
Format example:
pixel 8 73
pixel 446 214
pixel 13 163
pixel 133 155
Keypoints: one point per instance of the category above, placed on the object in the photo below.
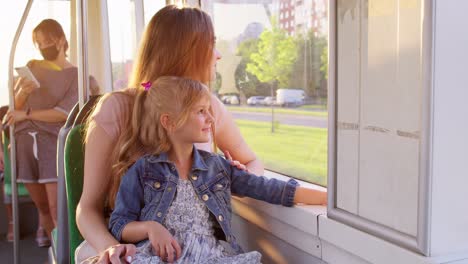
pixel 74 167
pixel 73 171
pixel 6 160
pixel 7 169
pixel 60 241
pixel 86 110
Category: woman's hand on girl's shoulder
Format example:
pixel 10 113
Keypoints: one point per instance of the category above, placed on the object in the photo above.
pixel 164 244
pixel 235 163
pixel 118 254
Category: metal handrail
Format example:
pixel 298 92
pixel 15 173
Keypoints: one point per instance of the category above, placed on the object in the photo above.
pixel 14 186
pixel 82 38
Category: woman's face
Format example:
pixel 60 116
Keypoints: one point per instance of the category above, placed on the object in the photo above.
pixel 43 41
pixel 214 60
pixel 49 48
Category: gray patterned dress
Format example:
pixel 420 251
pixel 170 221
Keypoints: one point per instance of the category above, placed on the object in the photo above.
pixel 188 220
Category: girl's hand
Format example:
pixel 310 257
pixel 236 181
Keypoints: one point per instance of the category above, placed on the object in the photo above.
pixel 310 196
pixel 15 116
pixel 116 253
pixel 235 163
pixel 164 244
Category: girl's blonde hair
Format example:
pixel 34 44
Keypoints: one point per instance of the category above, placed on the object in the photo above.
pixel 176 42
pixel 170 95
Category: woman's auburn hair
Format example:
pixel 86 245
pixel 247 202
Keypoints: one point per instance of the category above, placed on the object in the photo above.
pixel 176 42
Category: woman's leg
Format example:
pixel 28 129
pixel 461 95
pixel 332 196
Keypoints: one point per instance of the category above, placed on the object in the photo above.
pixel 42 239
pixel 38 194
pixel 9 210
pixel 51 189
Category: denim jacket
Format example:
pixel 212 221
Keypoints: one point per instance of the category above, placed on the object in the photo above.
pixel 149 187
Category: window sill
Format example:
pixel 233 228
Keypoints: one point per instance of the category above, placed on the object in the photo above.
pixel 308 228
pixel 296 225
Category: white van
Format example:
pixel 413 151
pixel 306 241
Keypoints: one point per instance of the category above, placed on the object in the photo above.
pixel 290 97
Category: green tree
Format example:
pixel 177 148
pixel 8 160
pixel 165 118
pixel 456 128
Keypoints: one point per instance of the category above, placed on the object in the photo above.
pixel 217 83
pixel 273 61
pixel 307 71
pixel 276 54
pixel 324 62
pixel 247 83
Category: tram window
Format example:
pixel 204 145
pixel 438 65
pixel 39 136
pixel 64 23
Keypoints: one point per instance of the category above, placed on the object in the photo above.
pixel 264 57
pixel 123 42
pixel 151 7
pixel 25 51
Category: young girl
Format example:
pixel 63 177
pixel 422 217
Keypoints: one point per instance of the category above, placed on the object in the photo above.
pixel 176 202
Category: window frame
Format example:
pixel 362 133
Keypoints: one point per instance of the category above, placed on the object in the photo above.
pixel 418 243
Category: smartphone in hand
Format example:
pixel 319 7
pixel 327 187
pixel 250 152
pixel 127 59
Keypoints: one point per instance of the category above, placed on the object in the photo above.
pixel 26 73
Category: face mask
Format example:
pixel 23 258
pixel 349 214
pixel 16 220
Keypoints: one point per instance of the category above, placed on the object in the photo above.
pixel 50 53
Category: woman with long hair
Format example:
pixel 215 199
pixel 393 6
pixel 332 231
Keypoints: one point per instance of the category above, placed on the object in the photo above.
pixel 175 202
pixel 177 42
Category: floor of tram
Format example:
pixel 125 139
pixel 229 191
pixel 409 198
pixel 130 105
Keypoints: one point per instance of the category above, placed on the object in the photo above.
pixel 29 251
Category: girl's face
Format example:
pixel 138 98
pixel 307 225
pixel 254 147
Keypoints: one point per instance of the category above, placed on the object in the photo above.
pixel 197 128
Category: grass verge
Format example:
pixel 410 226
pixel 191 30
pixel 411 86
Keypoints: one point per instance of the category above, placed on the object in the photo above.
pixel 297 151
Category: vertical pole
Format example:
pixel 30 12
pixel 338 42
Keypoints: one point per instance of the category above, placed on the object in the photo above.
pixel 14 186
pixel 139 19
pixel 272 109
pixel 82 38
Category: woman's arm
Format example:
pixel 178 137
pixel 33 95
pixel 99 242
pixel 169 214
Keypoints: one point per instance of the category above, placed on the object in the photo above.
pixel 229 138
pixel 20 99
pixel 90 210
pixel 47 115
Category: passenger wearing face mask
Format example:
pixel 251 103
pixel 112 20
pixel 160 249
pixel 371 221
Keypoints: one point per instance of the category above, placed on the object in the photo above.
pixel 39 114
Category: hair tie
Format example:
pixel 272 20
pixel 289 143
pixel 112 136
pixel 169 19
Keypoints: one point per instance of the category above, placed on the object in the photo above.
pixel 146 85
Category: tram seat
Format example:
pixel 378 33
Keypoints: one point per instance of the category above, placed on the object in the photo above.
pixel 74 167
pixel 7 165
pixel 60 251
pixel 73 161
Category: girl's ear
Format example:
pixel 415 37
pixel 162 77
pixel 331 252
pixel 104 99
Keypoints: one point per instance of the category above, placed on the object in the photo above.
pixel 166 122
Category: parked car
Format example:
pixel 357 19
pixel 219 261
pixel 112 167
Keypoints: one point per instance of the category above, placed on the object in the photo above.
pixel 269 100
pixel 255 100
pixel 230 99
